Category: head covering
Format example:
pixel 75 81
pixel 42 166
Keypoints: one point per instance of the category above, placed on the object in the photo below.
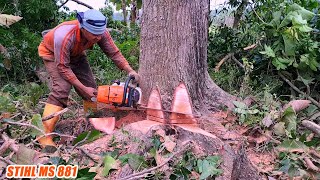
pixel 93 21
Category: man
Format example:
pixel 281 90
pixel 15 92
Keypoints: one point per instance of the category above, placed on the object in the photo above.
pixel 63 52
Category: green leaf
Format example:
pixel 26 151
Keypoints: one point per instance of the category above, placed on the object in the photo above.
pixel 310 61
pixel 209 167
pixel 109 163
pixel 279 65
pixel 200 165
pixel 91 136
pixel 289 44
pixel 37 121
pixel 213 159
pixel 287 19
pixel 297 20
pixel 276 19
pixel 205 170
pixel 268 51
pixel 305 80
pixel 305 28
pixel 286 164
pixel 84 174
pixel 311 109
pixel 290 119
pixel 135 161
pixel 253 111
pixel 306 14
pixel 292 146
pixel 240 104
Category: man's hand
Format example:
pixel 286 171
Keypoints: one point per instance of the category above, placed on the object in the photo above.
pixel 135 75
pixel 89 92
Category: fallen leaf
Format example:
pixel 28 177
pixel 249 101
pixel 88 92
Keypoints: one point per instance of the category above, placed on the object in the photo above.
pixel 298 105
pixel 195 175
pixel 260 139
pixel 109 163
pixel 267 121
pixel 7 20
pixel 169 144
pixel 37 121
pixel 159 160
pixel 279 129
pixel 290 118
pixel 6 115
pixel 27 156
pixel 221 114
pixel 292 146
pixel 231 136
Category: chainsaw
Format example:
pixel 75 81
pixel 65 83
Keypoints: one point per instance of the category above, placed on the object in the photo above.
pixel 120 94
pixel 124 96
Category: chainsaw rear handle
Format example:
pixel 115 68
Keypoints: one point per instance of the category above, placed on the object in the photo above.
pixel 126 88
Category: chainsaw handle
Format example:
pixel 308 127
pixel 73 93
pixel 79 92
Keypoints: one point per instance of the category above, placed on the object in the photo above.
pixel 126 88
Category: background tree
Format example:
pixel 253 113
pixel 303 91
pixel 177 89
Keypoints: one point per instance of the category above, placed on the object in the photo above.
pixel 135 5
pixel 174 37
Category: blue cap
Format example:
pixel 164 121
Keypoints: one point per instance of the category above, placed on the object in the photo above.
pixel 93 21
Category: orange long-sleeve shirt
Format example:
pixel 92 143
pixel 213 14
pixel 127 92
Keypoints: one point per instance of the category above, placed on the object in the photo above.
pixel 64 42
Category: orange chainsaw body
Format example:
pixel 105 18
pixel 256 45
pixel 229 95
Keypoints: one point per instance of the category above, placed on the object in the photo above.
pixel 110 94
pixel 120 94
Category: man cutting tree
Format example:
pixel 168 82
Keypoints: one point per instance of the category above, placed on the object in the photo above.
pixel 63 52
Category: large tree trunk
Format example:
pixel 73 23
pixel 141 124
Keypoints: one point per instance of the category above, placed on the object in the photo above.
pixel 174 38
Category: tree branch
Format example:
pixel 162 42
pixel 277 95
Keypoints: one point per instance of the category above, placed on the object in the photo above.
pixel 35 127
pixel 311 126
pixel 237 62
pixel 298 90
pixel 310 164
pixel 228 56
pixel 7 161
pixel 88 154
pixel 83 4
pixel 138 175
pixel 63 4
pixel 55 114
pixel 24 124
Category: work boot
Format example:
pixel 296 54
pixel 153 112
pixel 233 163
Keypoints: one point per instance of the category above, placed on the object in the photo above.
pixel 89 105
pixel 49 124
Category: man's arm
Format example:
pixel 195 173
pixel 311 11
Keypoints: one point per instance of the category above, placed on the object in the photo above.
pixel 111 50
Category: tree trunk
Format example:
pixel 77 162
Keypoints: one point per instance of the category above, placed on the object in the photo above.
pixel 174 38
pixel 239 12
pixel 124 11
pixel 133 14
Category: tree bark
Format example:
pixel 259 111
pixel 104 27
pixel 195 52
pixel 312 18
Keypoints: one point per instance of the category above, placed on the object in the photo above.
pixel 124 11
pixel 133 14
pixel 239 12
pixel 174 38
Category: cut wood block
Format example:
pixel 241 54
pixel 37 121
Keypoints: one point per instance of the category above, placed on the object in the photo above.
pixel 181 104
pixel 155 112
pixel 106 124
